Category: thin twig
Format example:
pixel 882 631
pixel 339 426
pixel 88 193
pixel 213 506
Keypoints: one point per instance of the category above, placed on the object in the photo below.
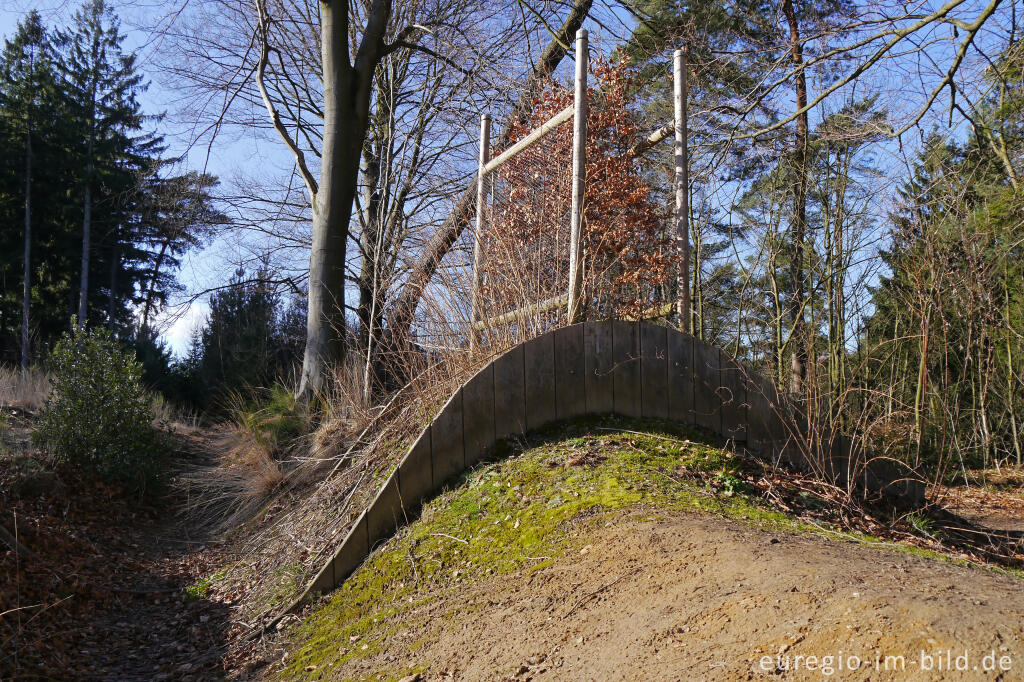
pixel 598 591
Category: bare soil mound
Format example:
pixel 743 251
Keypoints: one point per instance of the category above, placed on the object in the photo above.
pixel 699 597
pixel 622 555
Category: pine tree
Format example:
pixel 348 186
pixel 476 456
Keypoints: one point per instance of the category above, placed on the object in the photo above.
pixel 178 213
pixel 143 213
pixel 27 102
pixel 238 347
pixel 102 86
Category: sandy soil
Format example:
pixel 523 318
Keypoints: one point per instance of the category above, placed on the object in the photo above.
pixel 696 597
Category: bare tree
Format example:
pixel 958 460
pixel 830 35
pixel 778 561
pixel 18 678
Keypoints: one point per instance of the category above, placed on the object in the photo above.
pixel 439 244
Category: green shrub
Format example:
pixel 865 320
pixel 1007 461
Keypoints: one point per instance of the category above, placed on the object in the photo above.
pixel 272 418
pixel 98 414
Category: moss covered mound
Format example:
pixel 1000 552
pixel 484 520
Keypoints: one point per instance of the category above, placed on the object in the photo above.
pixel 517 514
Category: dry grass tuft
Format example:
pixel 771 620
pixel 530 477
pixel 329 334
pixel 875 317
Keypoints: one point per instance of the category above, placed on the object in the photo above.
pixel 263 440
pixel 229 490
pixel 26 390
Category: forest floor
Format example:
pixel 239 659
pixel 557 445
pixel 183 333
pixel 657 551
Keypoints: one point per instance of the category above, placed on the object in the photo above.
pixel 596 553
pixel 995 499
pixel 105 588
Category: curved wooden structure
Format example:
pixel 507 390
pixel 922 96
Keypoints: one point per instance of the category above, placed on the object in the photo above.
pixel 634 369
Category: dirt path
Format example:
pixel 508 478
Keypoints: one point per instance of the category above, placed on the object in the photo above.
pixel 151 627
pixel 103 594
pixel 697 597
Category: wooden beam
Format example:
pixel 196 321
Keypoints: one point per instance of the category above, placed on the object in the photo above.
pixel 530 140
pixel 481 223
pixel 654 312
pixel 579 178
pixel 652 140
pixel 520 313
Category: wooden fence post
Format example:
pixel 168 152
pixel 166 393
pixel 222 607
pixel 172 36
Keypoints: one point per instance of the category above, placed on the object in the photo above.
pixel 579 161
pixel 682 187
pixel 481 223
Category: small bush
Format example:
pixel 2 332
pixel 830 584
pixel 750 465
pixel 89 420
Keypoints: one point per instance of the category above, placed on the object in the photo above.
pixel 99 415
pixel 271 418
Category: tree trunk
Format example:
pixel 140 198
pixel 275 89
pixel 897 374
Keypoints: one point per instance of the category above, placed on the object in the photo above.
pixel 798 231
pixel 26 295
pixel 369 247
pixel 368 241
pixel 1011 384
pixel 83 287
pixel 682 189
pixel 347 89
pixel 151 289
pixel 115 262
pixel 83 293
pixel 922 386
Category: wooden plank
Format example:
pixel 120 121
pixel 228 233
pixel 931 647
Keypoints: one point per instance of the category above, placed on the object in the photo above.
pixel 766 417
pixel 353 551
pixel 533 138
pixel 446 439
pixel 626 369
pixel 570 372
pixel 598 353
pixel 478 414
pixel 509 394
pixel 539 362
pixel 654 371
pixel 707 403
pixel 680 377
pixel 416 474
pixel 760 415
pixel 385 514
pixel 733 391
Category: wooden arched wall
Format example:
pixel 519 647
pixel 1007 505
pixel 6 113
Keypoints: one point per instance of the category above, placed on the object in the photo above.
pixel 634 369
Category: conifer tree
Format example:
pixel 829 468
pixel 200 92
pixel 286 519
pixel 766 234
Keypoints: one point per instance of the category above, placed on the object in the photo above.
pixel 27 102
pixel 102 86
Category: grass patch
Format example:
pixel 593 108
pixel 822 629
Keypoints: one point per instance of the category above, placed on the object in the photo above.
pixel 200 589
pixel 288 580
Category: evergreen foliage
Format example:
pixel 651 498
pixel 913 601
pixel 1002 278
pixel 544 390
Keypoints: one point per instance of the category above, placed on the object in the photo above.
pixel 252 339
pixel 99 415
pixel 75 140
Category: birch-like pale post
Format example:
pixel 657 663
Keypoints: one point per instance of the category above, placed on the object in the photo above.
pixel 682 182
pixel 481 223
pixel 579 173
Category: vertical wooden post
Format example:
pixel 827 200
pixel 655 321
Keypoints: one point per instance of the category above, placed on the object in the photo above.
pixel 481 224
pixel 682 187
pixel 579 162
